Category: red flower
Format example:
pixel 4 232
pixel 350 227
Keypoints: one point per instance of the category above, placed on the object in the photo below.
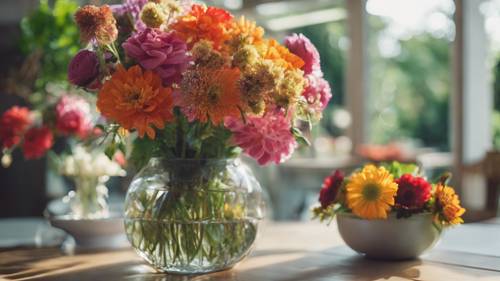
pixel 330 188
pixel 36 142
pixel 13 123
pixel 413 192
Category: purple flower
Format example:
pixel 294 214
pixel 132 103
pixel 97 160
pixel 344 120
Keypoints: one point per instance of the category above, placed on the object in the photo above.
pixel 302 47
pixel 83 70
pixel 132 7
pixel 317 93
pixel 162 52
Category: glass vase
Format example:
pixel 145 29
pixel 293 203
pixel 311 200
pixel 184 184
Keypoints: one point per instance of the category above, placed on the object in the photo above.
pixel 193 216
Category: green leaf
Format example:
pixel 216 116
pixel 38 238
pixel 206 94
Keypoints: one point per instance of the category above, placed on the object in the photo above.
pixel 299 137
pixel 398 169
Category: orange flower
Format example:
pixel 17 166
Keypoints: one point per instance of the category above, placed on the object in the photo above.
pixel 136 99
pixel 244 31
pixel 208 94
pixel 204 23
pixel 96 23
pixel 272 50
pixel 448 205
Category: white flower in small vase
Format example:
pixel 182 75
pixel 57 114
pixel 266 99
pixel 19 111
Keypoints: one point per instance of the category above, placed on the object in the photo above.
pixel 89 170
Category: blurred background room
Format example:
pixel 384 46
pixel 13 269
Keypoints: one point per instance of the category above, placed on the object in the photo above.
pixel 413 80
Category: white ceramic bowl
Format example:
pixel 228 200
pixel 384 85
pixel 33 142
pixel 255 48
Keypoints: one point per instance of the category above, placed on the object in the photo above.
pixel 107 233
pixel 390 239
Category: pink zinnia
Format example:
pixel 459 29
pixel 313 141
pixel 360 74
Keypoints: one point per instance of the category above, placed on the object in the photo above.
pixel 266 139
pixel 162 52
pixel 36 142
pixel 13 123
pixel 317 93
pixel 73 116
pixel 301 46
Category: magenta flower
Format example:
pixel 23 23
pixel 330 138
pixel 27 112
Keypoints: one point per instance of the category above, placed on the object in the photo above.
pixel 302 47
pixel 266 139
pixel 73 116
pixel 317 93
pixel 83 70
pixel 162 52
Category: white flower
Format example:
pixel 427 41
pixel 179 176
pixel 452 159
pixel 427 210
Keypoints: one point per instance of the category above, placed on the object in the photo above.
pixel 83 163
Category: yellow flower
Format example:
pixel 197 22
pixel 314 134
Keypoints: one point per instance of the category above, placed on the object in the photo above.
pixel 152 15
pixel 448 205
pixel 370 192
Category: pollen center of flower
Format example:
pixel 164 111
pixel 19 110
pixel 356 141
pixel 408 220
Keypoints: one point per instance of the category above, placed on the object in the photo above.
pixel 213 94
pixel 371 192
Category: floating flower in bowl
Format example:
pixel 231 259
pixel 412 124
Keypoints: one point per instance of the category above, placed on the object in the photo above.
pixel 389 211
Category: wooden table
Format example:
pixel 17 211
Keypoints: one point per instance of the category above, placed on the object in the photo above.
pixel 284 252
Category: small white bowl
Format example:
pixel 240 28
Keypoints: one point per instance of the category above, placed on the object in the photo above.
pixel 106 233
pixel 389 239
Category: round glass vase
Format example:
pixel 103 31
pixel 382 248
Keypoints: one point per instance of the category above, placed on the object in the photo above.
pixel 192 216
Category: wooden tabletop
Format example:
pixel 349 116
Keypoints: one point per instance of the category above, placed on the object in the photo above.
pixel 284 252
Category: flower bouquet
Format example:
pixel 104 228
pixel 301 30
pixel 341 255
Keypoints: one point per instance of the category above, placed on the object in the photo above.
pixel 197 87
pixel 389 211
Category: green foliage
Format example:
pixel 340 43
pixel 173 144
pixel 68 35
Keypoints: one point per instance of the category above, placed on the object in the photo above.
pixel 398 169
pixel 411 90
pixel 496 101
pixel 185 140
pixel 143 150
pixel 51 31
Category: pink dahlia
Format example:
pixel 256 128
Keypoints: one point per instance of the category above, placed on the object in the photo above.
pixel 266 139
pixel 162 52
pixel 36 142
pixel 83 70
pixel 301 46
pixel 330 188
pixel 413 192
pixel 73 116
pixel 13 123
pixel 317 93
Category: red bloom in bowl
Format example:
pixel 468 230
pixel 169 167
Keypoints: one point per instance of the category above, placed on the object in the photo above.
pixel 413 192
pixel 330 188
pixel 36 142
pixel 13 123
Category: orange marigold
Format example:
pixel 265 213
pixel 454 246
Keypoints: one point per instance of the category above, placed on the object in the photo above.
pixel 208 94
pixel 272 50
pixel 448 205
pixel 96 23
pixel 204 23
pixel 136 99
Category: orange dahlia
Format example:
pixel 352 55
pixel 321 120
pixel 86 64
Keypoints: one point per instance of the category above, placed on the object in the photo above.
pixel 208 94
pixel 448 205
pixel 204 23
pixel 136 99
pixel 272 50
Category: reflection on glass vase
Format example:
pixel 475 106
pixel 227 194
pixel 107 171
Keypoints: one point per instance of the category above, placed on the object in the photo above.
pixel 90 198
pixel 193 216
